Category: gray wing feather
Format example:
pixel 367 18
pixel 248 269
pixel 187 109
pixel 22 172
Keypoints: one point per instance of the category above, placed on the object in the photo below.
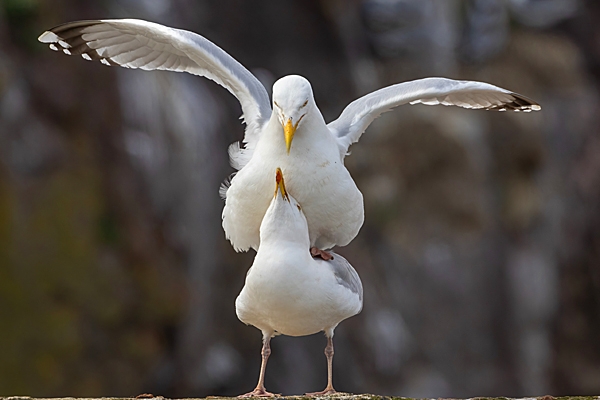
pixel 359 114
pixel 345 274
pixel 141 44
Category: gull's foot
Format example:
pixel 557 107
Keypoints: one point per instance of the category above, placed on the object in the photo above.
pixel 320 253
pixel 257 393
pixel 323 393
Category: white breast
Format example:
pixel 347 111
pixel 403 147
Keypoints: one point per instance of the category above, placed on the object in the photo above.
pixel 315 176
pixel 290 293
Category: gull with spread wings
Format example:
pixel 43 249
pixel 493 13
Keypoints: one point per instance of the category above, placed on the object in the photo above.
pixel 289 132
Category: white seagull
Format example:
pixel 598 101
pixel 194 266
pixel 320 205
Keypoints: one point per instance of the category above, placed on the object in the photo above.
pixel 290 133
pixel 289 292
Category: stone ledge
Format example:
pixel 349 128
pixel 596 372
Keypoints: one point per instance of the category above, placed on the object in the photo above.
pixel 339 396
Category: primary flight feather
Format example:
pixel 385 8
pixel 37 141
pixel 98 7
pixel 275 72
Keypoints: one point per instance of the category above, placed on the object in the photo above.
pixel 288 132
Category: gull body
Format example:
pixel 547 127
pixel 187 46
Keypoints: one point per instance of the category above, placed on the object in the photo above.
pixel 289 292
pixel 314 170
pixel 289 132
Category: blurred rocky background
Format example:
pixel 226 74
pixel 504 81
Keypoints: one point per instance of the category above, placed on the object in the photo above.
pixel 480 254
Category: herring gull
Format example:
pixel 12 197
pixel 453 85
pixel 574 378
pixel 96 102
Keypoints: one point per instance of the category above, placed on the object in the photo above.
pixel 289 133
pixel 289 292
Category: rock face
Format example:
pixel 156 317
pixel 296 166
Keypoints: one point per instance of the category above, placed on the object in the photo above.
pixel 480 254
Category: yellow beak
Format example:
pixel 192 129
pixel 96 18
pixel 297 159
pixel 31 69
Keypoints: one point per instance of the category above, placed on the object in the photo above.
pixel 288 133
pixel 280 185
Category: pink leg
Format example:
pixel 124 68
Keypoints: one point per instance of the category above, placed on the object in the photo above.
pixel 329 354
pixel 320 253
pixel 260 390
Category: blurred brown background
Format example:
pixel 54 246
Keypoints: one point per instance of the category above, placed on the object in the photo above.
pixel 480 254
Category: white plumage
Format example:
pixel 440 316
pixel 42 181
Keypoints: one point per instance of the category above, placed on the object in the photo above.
pixel 289 292
pixel 314 167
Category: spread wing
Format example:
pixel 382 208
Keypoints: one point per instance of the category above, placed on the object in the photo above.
pixel 135 43
pixel 359 114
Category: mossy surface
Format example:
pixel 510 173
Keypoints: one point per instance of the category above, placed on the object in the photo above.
pixel 344 396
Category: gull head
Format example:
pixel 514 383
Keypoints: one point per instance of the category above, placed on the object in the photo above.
pixel 292 100
pixel 284 219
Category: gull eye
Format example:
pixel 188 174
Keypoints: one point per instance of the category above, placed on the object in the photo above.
pixel 298 205
pixel 304 105
pixel 278 106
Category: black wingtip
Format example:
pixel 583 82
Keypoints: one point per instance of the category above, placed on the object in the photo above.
pixel 520 103
pixel 67 38
pixel 61 29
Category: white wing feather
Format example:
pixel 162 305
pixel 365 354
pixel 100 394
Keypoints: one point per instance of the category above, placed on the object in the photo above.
pixel 140 44
pixel 359 114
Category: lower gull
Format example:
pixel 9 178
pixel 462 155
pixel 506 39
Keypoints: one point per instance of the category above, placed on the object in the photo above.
pixel 289 292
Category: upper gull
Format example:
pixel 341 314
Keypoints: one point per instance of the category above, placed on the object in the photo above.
pixel 289 132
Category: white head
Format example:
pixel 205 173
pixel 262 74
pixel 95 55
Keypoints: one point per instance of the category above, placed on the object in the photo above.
pixel 284 219
pixel 292 101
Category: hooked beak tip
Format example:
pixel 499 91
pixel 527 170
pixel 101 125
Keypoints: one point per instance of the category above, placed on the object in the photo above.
pixel 280 184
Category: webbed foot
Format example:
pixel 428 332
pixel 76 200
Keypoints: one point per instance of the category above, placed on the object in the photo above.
pixel 258 393
pixel 315 252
